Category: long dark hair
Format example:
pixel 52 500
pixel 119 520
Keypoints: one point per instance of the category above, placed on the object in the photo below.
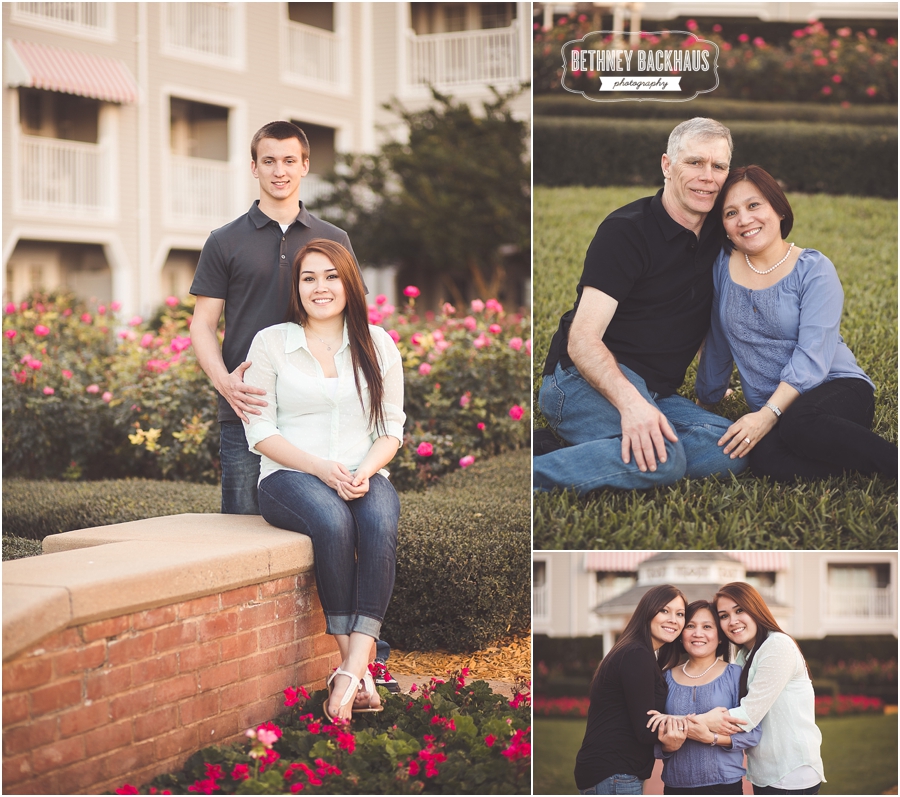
pixel 362 348
pixel 748 598
pixel 722 649
pixel 768 187
pixel 638 627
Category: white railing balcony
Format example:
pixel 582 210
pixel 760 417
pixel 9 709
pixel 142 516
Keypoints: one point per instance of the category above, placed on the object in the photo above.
pixel 63 177
pixel 540 603
pixel 860 603
pixel 88 17
pixel 200 192
pixel 472 57
pixel 311 53
pixel 313 188
pixel 208 30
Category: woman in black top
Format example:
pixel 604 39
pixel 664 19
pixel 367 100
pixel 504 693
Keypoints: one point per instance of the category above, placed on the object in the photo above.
pixel 616 756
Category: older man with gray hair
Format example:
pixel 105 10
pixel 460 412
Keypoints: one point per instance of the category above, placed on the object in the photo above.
pixel 641 313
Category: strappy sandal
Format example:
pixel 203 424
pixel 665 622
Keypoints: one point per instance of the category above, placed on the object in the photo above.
pixel 369 685
pixel 349 694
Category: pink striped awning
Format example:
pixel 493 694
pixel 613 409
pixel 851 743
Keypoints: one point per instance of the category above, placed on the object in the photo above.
pixel 628 561
pixel 41 66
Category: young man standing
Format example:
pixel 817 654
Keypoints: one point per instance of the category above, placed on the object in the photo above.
pixel 245 270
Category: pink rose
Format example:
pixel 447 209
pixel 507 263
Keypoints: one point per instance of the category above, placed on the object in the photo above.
pixel 481 426
pixel 115 306
pixel 10 334
pixel 92 389
pixel 394 335
pixel 528 346
pixel 147 340
pixel 107 397
pixel 470 323
pixel 41 331
pixel 466 461
pixel 86 318
pixel 10 308
pixel 380 299
pixel 516 412
pixel 49 391
pixel 477 305
pixel 465 399
pixel 447 309
pixel 135 321
pixel 172 301
pixel 425 449
pixel 387 309
pixel 374 316
pixel 416 339
pixel 102 309
pixel 425 369
pixel 35 364
pixel 493 305
pixel 481 341
pixel 411 291
pixel 67 374
pixel 495 329
pixel 179 343
pixel 515 343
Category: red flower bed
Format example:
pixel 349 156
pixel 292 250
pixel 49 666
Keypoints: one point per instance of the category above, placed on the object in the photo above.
pixel 827 706
pixel 560 706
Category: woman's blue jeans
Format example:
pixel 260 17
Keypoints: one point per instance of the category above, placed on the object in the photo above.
pixel 354 544
pixel 593 427
pixel 617 784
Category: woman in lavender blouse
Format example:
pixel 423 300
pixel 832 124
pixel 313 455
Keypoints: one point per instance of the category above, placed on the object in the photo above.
pixel 698 761
pixel 776 315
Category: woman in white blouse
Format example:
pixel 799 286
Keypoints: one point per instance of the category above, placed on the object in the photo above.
pixel 333 419
pixel 775 693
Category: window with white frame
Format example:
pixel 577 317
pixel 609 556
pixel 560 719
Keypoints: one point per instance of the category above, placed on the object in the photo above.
pixel 860 590
pixel 204 31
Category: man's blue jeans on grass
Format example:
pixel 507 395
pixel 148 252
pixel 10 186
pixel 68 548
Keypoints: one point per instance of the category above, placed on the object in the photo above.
pixel 240 471
pixel 593 427
pixel 354 544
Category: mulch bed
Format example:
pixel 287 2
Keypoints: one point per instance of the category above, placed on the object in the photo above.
pixel 508 660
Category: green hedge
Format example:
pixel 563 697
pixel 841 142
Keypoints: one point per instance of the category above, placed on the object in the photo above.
pixel 805 157
pixel 725 111
pixel 463 560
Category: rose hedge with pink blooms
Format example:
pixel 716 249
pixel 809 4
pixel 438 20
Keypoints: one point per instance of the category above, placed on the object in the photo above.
pixel 846 65
pixel 85 397
pixel 446 737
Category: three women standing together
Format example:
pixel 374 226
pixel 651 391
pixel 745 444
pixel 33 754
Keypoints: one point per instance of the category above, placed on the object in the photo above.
pixel 666 690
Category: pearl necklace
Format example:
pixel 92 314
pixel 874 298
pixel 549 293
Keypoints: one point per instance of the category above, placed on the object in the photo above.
pixel 768 269
pixel 684 670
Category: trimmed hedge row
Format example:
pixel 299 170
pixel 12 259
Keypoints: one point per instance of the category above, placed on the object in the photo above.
pixel 805 157
pixel 463 560
pixel 725 111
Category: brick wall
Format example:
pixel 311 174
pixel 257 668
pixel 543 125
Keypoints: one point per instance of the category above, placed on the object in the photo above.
pixel 92 706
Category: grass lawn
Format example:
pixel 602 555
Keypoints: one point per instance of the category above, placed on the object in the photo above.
pixel 860 754
pixel 859 235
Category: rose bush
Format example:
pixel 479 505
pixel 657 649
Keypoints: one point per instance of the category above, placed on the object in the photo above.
pixel 446 737
pixel 817 65
pixel 847 704
pixel 86 396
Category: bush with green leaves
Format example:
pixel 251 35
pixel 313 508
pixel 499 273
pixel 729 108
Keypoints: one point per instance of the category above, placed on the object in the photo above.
pixel 88 396
pixel 447 737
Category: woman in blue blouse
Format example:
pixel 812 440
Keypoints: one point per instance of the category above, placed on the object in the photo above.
pixel 776 315
pixel 699 761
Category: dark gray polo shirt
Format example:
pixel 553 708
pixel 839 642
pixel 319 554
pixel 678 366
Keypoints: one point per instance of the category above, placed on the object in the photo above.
pixel 248 264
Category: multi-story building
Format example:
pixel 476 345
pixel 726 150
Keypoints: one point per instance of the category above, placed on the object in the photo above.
pixel 126 126
pixel 813 594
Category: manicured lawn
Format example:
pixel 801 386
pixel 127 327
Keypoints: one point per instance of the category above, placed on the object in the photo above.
pixel 860 236
pixel 860 754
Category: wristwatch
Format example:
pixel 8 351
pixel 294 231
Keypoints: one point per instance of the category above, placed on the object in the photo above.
pixel 774 409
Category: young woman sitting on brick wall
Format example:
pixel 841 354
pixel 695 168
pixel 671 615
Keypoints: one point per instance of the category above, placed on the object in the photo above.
pixel 333 419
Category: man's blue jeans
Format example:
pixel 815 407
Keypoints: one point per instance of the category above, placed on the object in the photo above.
pixel 617 784
pixel 593 427
pixel 240 471
pixel 355 544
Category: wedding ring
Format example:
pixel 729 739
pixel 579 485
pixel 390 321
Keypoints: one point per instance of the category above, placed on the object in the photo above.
pixel 747 440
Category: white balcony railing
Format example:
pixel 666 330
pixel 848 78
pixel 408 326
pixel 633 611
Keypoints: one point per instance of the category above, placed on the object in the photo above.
pixel 200 192
pixel 540 604
pixel 860 603
pixel 63 176
pixel 205 29
pixel 313 54
pixel 91 17
pixel 474 57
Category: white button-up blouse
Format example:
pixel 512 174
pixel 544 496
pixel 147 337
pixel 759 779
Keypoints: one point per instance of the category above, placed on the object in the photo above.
pixel 301 408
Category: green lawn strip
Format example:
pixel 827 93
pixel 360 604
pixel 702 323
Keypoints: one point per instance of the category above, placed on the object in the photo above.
pixel 860 754
pixel 859 235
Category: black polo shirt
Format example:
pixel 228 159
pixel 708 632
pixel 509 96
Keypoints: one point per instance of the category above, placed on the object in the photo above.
pixel 661 276
pixel 248 264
